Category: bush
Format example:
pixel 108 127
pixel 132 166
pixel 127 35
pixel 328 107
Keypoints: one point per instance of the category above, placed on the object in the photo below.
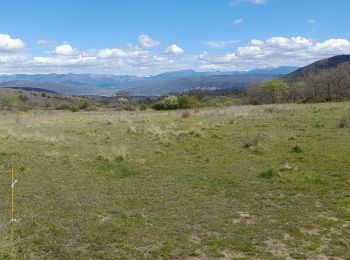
pixel 185 102
pixel 84 104
pixel 144 107
pixel 70 107
pixel 168 103
pixel 74 108
pixel 23 98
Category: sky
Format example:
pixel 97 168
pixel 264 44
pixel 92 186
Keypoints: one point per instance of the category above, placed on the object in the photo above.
pixel 147 37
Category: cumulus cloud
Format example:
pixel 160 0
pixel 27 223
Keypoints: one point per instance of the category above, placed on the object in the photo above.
pixel 9 44
pixel 142 60
pixel 65 50
pixel 147 42
pixel 128 59
pixel 275 51
pixel 174 49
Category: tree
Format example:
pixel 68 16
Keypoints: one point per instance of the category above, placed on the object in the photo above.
pixel 275 90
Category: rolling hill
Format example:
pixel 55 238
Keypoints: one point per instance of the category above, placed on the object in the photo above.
pixel 316 67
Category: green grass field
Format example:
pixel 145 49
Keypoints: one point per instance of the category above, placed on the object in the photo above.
pixel 242 182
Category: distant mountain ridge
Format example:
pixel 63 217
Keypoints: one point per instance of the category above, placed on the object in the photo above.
pixel 107 84
pixel 204 82
pixel 274 71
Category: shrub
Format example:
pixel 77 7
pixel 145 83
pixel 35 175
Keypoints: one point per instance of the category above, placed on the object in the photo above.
pixel 23 98
pixel 85 104
pixel 269 174
pixel 144 107
pixel 168 103
pixel 70 107
pixel 185 102
pixel 74 108
pixel 345 121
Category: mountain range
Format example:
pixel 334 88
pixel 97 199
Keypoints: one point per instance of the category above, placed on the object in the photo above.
pixel 107 84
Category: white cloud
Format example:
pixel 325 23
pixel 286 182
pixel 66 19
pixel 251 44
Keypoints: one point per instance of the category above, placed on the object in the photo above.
pixel 121 53
pixel 311 21
pixel 111 53
pixel 63 61
pixel 238 21
pixel 44 42
pixel 138 60
pixel 65 50
pixel 147 42
pixel 250 51
pixel 274 52
pixel 216 59
pixel 8 44
pixel 174 49
pixel 220 44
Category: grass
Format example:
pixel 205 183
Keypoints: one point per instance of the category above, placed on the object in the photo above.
pixel 155 185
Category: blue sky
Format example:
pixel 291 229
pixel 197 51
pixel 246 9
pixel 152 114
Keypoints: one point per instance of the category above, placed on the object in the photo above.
pixel 143 37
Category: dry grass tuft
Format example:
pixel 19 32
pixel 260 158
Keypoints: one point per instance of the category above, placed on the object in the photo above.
pixel 345 121
pixel 254 141
pixel 186 114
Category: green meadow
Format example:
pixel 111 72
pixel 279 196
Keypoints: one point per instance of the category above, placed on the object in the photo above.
pixel 238 182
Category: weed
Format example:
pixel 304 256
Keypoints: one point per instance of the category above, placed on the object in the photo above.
pixel 269 174
pixel 296 149
pixel 286 167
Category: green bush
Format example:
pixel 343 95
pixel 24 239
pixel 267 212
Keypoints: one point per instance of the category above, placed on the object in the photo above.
pixel 185 102
pixel 144 107
pixel 70 107
pixel 84 104
pixel 168 103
